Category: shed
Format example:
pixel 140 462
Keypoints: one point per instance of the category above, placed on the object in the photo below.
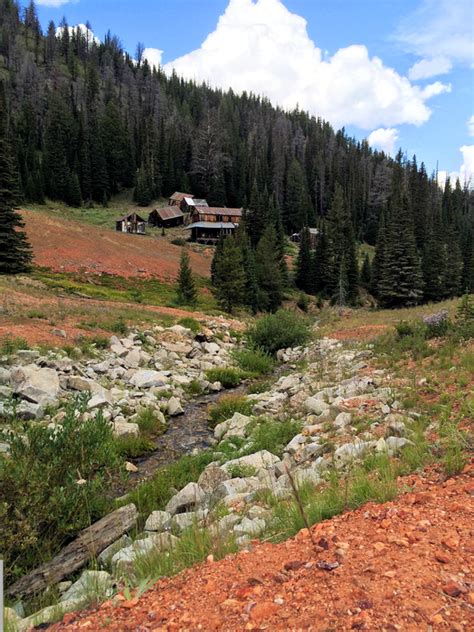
pixel 313 233
pixel 189 204
pixel 210 232
pixel 216 214
pixel 131 223
pixel 166 217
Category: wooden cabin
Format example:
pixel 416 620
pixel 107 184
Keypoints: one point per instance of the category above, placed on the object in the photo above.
pixel 210 232
pixel 166 217
pixel 189 204
pixel 313 234
pixel 131 223
pixel 177 198
pixel 216 214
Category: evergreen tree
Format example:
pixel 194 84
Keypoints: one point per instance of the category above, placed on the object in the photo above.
pixel 142 194
pixel 268 271
pixel 304 267
pixel 186 290
pixel 274 216
pixel 296 199
pixel 73 195
pixel 320 264
pixel 229 274
pixel 366 272
pixel 15 253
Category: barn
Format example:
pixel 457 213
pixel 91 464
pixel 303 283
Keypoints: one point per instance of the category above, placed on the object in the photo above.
pixel 131 223
pixel 166 217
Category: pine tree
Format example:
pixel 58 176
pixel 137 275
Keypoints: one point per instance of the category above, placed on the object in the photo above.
pixel 320 264
pixel 304 267
pixel 268 271
pixel 274 216
pixel 366 272
pixel 15 253
pixel 296 199
pixel 186 290
pixel 73 193
pixel 229 274
pixel 142 194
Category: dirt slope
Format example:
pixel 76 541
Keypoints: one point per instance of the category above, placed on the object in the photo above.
pixel 405 565
pixel 67 245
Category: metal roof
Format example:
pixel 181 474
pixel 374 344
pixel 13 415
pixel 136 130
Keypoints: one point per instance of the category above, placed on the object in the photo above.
pixel 210 225
pixel 130 215
pixel 168 212
pixel 177 195
pixel 219 210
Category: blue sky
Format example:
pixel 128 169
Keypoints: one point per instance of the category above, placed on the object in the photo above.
pixel 418 94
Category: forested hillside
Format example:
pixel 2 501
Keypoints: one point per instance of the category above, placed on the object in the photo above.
pixel 86 120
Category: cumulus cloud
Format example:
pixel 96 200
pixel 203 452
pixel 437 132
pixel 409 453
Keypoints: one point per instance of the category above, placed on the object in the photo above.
pixel 261 47
pixel 55 3
pixel 443 26
pixel 153 56
pixel 466 170
pixel 383 138
pixel 429 68
pixel 83 29
pixel 470 125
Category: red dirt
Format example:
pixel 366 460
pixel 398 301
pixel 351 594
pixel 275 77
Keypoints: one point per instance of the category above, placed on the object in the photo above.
pixel 69 246
pixel 364 332
pixel 403 566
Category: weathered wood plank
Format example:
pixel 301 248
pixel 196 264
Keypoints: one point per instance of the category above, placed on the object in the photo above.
pixel 89 543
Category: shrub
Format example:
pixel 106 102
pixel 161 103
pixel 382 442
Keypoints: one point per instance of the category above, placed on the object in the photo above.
pixel 119 326
pixel 149 422
pixel 130 447
pixel 404 329
pixel 303 302
pixel 178 241
pixel 53 484
pixel 227 376
pixel 191 323
pixel 436 325
pixel 227 406
pixel 11 345
pixel 253 361
pixel 279 331
pixel 273 435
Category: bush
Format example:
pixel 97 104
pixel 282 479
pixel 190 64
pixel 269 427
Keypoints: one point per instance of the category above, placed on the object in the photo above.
pixel 179 241
pixel 436 325
pixel 227 406
pixel 273 435
pixel 404 329
pixel 149 422
pixel 227 376
pixel 12 345
pixel 253 361
pixel 303 302
pixel 190 323
pixel 53 484
pixel 279 331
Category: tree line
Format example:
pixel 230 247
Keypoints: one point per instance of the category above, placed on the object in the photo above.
pixel 85 120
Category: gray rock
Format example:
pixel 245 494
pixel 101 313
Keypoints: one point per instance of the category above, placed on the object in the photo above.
pixel 343 420
pixel 250 527
pixel 132 359
pixel 90 582
pixel 148 379
pixel 36 385
pixel 174 407
pixel 59 332
pixel 187 499
pixel 123 428
pixel 395 444
pixel 258 460
pixel 295 444
pixel 100 400
pixel 29 411
pixel 236 487
pixel 124 559
pixel 233 427
pixel 107 554
pixel 157 521
pixel 350 451
pixel 224 525
pixel 309 452
pixel 212 476
pixel 316 406
pixel 211 347
pixel 396 425
pixel 4 376
pixel 181 521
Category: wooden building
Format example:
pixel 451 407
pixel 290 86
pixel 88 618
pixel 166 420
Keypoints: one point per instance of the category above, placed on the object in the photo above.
pixel 166 217
pixel 216 214
pixel 210 232
pixel 177 198
pixel 131 223
pixel 313 234
pixel 189 204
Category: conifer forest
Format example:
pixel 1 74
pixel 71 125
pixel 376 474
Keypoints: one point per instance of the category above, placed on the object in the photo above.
pixel 84 120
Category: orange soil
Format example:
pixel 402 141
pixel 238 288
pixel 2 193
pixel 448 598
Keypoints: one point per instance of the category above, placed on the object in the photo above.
pixel 403 566
pixel 70 246
pixel 364 332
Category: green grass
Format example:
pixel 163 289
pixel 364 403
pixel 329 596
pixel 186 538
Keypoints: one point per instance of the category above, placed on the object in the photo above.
pixel 227 376
pixel 279 331
pixel 12 345
pixel 191 323
pixel 149 422
pixel 253 361
pixel 227 406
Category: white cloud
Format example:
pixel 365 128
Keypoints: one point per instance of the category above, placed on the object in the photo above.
pixel 55 3
pixel 429 68
pixel 440 26
pixel 83 29
pixel 153 56
pixel 384 139
pixel 470 125
pixel 466 170
pixel 261 47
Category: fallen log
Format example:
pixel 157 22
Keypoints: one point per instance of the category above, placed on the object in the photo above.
pixel 89 543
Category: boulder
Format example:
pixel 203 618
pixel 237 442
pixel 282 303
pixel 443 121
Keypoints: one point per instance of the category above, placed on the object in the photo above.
pixel 123 560
pixel 174 407
pixel 4 376
pixel 157 521
pixel 124 428
pixel 262 459
pixel 396 425
pixel 148 379
pixel 211 348
pixel 395 444
pixel 132 359
pixel 233 427
pixel 107 554
pixel 36 385
pixel 79 383
pixel 212 476
pixel 99 400
pixel 316 406
pixel 186 500
pixel 29 411
pixel 250 527
pixel 90 582
pixel 342 420
pixel 350 451
pixel 236 487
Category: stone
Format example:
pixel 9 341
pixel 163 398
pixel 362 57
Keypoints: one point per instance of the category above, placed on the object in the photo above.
pixel 179 329
pixel 107 554
pixel 124 428
pixel 118 349
pixel 60 333
pixel 351 451
pixel 100 400
pixel 224 525
pixel 288 383
pixel 130 467
pixel 187 499
pixel 233 427
pixel 212 476
pixel 309 452
pixel 4 376
pixel 79 383
pixel 174 407
pixel 257 460
pixel 235 487
pixel 395 425
pixel 307 475
pixel 148 379
pixel 123 560
pixel 342 420
pixel 250 527
pixel 28 411
pixel 211 347
pixel 157 521
pixel 132 359
pixel 181 521
pixel 96 582
pixel 316 406
pixel 395 444
pixel 36 385
pixel 295 444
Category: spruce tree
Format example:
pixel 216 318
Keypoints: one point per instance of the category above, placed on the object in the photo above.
pixel 320 264
pixel 186 290
pixel 229 274
pixel 268 271
pixel 304 271
pixel 15 253
pixel 142 194
pixel 366 272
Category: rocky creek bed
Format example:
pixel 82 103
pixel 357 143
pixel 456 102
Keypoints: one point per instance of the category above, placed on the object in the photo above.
pixel 329 389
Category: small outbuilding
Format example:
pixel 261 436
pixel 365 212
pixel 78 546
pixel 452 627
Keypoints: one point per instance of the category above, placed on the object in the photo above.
pixel 131 223
pixel 177 198
pixel 210 232
pixel 166 217
pixel 313 235
pixel 189 204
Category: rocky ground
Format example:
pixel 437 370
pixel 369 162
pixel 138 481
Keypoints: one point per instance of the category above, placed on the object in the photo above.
pixel 404 565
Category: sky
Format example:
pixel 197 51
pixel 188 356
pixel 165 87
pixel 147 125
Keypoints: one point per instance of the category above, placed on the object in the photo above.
pixel 397 72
